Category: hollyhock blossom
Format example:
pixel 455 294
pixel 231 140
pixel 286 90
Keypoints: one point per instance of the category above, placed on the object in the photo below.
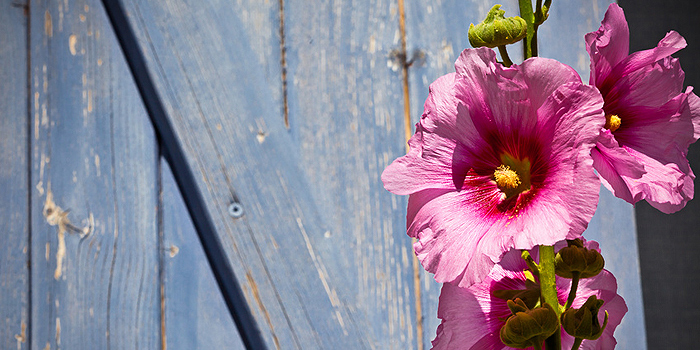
pixel 472 317
pixel 500 159
pixel 650 120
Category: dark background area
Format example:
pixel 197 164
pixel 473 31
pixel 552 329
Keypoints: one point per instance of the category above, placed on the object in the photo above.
pixel 668 244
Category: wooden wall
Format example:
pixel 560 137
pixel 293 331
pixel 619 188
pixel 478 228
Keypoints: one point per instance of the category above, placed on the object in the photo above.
pixel 291 108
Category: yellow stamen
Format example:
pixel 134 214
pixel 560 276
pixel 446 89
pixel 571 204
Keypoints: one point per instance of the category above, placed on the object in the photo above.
pixel 506 178
pixel 612 122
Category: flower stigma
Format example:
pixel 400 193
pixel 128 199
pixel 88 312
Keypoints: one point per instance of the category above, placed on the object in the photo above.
pixel 612 122
pixel 513 175
pixel 506 177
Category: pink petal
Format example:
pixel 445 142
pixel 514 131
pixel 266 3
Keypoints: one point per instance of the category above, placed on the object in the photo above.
pixel 608 45
pixel 665 186
pixel 614 163
pixel 670 44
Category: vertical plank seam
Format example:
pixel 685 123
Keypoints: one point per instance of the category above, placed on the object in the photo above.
pixel 28 38
pixel 283 62
pixel 408 133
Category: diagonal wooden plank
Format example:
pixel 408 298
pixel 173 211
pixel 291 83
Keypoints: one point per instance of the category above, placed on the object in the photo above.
pixel 195 312
pixel 224 115
pixel 94 198
pixel 561 38
pixel 345 102
pixel 14 175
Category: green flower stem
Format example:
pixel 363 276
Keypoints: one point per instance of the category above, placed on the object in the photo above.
pixel 548 289
pixel 528 15
pixel 537 346
pixel 577 343
pixel 572 293
pixel 504 55
pixel 548 285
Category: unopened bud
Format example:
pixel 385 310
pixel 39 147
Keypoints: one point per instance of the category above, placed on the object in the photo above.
pixel 527 327
pixel 577 259
pixel 496 30
pixel 583 323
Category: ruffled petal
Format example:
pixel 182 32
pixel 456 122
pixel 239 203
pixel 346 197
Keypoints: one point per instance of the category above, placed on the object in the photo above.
pixel 665 132
pixel 543 76
pixel 460 329
pixel 615 165
pixel 665 186
pixel 449 236
pixel 652 86
pixel 608 45
pixel 429 162
pixel 670 44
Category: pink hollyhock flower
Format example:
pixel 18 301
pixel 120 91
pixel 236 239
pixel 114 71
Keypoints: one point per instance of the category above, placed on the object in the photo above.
pixel 500 159
pixel 650 121
pixel 472 317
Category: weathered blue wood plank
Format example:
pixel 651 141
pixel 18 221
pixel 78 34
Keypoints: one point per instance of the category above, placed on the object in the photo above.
pixel 14 192
pixel 439 32
pixel 94 198
pixel 232 129
pixel 346 116
pixel 195 313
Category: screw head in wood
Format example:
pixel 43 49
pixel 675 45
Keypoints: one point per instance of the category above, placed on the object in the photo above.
pixel 235 209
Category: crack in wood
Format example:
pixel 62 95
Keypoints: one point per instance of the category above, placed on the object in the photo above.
pixel 283 62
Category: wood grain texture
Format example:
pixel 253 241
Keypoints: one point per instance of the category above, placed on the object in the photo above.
pixel 229 122
pixel 195 313
pixel 346 116
pixel 561 38
pixel 94 197
pixel 14 175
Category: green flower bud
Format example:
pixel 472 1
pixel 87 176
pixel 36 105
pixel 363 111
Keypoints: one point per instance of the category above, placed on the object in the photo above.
pixel 583 323
pixel 496 30
pixel 530 295
pixel 577 259
pixel 527 327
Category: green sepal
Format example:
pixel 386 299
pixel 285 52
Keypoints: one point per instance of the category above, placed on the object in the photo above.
pixel 583 322
pixel 528 327
pixel 497 30
pixel 578 259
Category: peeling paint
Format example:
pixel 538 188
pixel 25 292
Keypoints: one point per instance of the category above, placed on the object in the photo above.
pixel 58 331
pixel 173 250
pixel 72 41
pixel 40 188
pixel 48 24
pixel 55 216
pixel 22 336
pixel 261 136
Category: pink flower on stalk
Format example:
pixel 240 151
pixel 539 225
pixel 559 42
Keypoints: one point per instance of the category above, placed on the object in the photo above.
pixel 472 317
pixel 650 121
pixel 500 160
